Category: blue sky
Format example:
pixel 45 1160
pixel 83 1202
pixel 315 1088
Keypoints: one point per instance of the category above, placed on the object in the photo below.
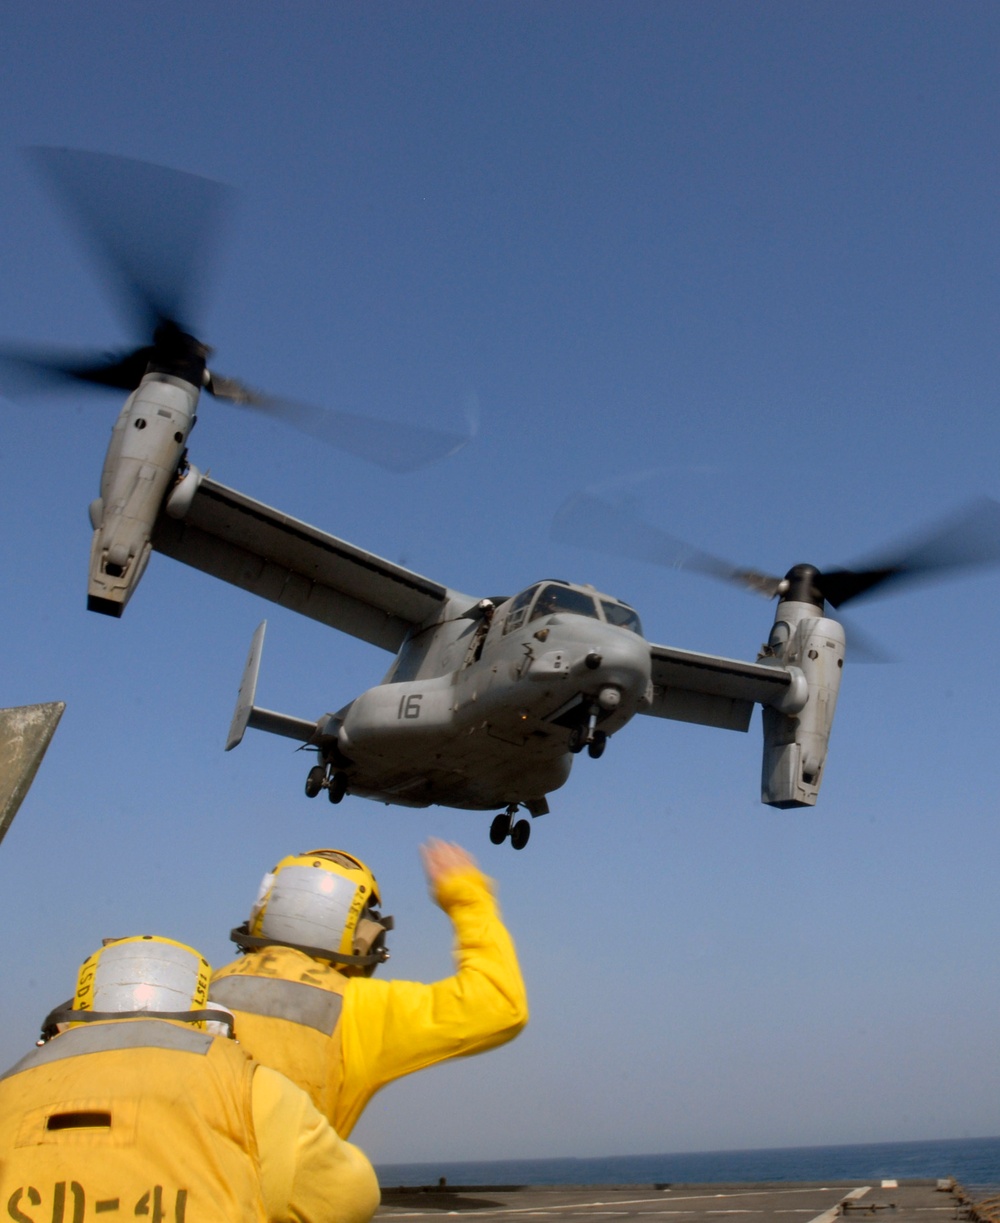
pixel 735 262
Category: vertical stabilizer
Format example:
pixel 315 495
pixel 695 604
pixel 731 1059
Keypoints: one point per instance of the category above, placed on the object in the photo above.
pixel 248 689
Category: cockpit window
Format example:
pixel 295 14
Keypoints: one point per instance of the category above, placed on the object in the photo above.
pixel 564 599
pixel 621 615
pixel 515 615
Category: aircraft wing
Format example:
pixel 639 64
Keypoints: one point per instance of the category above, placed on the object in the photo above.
pixel 291 563
pixel 709 690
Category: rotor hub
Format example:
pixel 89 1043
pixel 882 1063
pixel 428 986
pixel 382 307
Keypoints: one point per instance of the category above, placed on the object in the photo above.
pixel 801 585
pixel 178 354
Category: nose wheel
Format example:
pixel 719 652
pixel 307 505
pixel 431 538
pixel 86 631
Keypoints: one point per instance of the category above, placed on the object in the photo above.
pixel 335 785
pixel 504 826
pixel 586 735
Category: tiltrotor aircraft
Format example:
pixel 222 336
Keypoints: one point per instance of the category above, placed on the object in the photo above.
pixel 487 700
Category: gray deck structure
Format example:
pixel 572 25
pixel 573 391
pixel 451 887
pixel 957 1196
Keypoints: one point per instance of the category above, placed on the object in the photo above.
pixel 905 1201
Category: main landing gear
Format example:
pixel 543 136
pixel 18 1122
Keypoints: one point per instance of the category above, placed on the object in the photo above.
pixel 335 785
pixel 503 826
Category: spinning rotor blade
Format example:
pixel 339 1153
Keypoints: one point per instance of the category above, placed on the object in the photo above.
pixel 588 521
pixel 152 229
pixel 392 445
pixel 30 370
pixel 969 539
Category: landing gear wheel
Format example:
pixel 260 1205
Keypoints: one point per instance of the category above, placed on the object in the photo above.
pixel 520 833
pixel 500 828
pixel 338 787
pixel 314 782
pixel 595 749
pixel 577 739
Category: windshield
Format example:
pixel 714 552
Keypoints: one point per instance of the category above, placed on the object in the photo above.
pixel 562 599
pixel 515 613
pixel 621 615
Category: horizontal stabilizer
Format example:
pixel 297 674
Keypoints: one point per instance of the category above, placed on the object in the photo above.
pixel 281 724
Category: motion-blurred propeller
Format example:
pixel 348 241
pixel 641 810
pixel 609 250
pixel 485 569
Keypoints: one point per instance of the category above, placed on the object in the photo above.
pixel 153 233
pixel 966 540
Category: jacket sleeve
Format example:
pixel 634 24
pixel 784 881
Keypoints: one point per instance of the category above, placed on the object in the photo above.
pixel 392 1028
pixel 308 1174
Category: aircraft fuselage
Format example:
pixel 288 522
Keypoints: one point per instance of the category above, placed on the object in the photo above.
pixel 478 715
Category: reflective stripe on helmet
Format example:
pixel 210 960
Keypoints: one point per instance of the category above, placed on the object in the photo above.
pixel 275 999
pixel 315 901
pixel 315 906
pixel 135 1034
pixel 143 973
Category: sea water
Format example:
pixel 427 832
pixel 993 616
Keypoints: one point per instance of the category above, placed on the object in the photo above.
pixel 973 1162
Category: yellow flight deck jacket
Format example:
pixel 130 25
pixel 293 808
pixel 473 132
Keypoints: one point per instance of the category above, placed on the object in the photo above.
pixel 343 1038
pixel 136 1117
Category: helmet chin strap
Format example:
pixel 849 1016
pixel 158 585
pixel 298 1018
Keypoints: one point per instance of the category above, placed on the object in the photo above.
pixel 64 1013
pixel 250 942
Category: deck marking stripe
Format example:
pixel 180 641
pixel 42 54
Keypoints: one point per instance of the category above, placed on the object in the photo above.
pixel 828 1216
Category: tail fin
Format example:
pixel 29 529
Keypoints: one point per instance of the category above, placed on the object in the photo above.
pixel 248 714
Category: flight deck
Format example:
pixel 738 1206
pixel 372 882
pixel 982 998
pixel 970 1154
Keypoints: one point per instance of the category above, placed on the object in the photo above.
pixel 904 1201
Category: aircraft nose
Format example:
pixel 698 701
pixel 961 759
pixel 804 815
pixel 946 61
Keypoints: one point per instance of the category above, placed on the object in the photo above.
pixel 616 668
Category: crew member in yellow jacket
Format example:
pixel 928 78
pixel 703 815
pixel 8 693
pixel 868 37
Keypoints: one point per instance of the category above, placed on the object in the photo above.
pixel 132 1106
pixel 306 1004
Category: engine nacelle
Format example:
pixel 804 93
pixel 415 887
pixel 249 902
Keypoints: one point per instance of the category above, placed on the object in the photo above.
pixel 795 741
pixel 147 444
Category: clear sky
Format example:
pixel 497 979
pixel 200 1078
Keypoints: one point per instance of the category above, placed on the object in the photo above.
pixel 735 261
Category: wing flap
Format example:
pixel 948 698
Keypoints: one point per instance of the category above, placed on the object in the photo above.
pixel 710 690
pixel 270 554
pixel 727 713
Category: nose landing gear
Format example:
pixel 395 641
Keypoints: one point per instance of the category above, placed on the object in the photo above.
pixel 503 826
pixel 335 785
pixel 586 735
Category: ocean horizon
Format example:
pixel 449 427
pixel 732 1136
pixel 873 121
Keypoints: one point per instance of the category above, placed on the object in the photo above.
pixel 973 1162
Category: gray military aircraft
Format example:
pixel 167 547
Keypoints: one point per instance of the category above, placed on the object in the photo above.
pixel 487 699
